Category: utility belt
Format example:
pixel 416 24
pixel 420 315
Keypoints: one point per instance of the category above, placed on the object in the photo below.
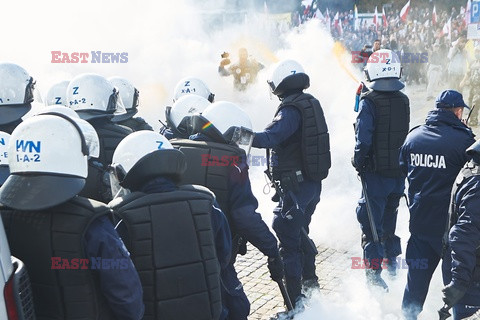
pixel 289 180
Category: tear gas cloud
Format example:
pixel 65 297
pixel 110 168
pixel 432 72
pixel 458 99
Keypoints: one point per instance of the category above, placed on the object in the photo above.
pixel 167 41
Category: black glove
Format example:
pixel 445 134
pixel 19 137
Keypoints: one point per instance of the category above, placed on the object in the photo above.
pixel 275 266
pixel 452 294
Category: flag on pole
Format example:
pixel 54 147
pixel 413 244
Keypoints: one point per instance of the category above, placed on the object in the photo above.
pixel 384 18
pixel 434 16
pixel 468 16
pixel 404 11
pixel 355 17
pixel 318 14
pixel 375 19
pixel 327 20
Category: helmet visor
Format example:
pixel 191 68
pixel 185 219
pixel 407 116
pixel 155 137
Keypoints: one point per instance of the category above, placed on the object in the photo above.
pixel 240 136
pixel 116 175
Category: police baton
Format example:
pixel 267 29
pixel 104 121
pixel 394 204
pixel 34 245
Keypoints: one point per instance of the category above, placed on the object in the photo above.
pixel 369 210
pixel 285 296
pixel 443 313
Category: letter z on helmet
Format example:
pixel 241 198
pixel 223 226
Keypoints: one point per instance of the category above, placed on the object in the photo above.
pixel 48 162
pixel 288 76
pixel 57 94
pixel 16 92
pixel 142 156
pixel 191 85
pixel 383 71
pixel 93 96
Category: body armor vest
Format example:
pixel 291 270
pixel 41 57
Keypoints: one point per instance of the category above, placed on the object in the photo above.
pixel 309 149
pixel 209 165
pixel 470 170
pixel 97 185
pixel 392 118
pixel 172 245
pixel 39 237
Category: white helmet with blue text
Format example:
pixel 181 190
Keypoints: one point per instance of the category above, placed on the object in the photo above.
pixel 143 156
pixel 48 162
pixel 288 76
pixel 192 85
pixel 383 71
pixel 57 94
pixel 93 96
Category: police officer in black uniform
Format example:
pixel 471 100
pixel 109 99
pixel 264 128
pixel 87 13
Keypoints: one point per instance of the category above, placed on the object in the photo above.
pixel 300 160
pixel 461 267
pixel 432 156
pixel 78 266
pixel 380 130
pixel 188 243
pixel 95 100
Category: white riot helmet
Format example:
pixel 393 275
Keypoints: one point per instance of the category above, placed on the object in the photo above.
pixel 225 122
pixel 48 163
pixel 383 71
pixel 16 92
pixel 143 156
pixel 179 115
pixel 57 94
pixel 4 170
pixel 288 76
pixel 92 96
pixel 89 132
pixel 191 85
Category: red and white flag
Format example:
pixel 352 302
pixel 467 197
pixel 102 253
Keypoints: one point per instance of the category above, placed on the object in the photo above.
pixel 375 20
pixel 434 16
pixel 327 20
pixel 404 11
pixel 384 18
pixel 338 24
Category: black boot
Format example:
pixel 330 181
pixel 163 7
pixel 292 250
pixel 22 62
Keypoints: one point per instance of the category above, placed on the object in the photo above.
pixel 294 289
pixel 375 279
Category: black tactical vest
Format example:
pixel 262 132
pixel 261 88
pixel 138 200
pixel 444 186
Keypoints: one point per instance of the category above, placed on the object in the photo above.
pixel 136 124
pixel 468 171
pixel 392 118
pixel 37 236
pixel 308 150
pixel 97 185
pixel 172 245
pixel 209 165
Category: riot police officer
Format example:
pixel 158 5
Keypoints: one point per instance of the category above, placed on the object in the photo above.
pixel 300 160
pixel 95 100
pixel 380 129
pixel 78 266
pixel 189 241
pixel 461 268
pixel 216 159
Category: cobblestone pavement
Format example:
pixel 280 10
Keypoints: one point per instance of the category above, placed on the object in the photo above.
pixel 264 294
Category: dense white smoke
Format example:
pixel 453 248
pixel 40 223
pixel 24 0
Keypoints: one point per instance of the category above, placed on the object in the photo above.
pixel 168 40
